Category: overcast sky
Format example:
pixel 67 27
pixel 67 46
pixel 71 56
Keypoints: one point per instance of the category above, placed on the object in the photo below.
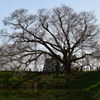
pixel 8 6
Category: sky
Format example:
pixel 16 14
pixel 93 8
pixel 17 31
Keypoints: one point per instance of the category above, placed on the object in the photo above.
pixel 8 6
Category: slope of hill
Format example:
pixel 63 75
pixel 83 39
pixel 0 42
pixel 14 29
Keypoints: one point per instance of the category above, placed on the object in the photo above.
pixel 80 86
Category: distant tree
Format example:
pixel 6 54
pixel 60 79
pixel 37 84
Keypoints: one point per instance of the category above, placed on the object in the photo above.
pixel 13 58
pixel 59 32
pixel 50 65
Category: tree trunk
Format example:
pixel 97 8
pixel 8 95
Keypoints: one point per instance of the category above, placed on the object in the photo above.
pixel 67 67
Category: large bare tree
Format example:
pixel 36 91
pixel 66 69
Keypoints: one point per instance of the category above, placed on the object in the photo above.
pixel 60 33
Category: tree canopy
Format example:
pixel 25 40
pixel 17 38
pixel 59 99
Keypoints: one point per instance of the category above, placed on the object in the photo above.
pixel 60 33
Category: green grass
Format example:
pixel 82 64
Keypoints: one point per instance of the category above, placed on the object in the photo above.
pixel 86 79
pixel 41 86
pixel 47 94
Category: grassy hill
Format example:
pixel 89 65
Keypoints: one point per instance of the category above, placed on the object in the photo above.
pixel 75 86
